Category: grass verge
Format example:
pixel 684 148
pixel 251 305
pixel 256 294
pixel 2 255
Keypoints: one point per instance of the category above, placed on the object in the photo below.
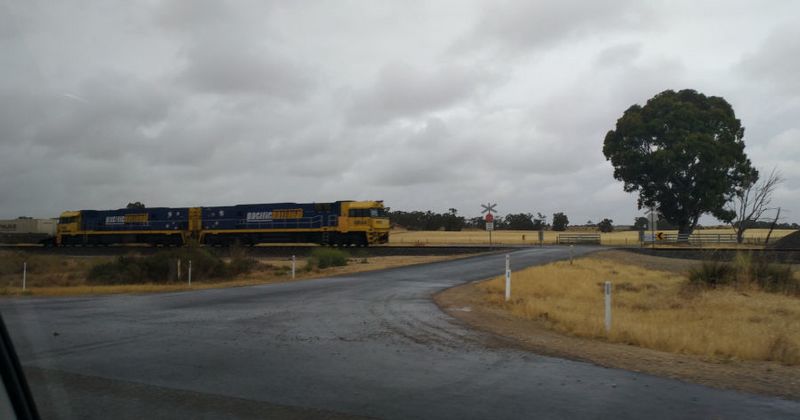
pixel 654 309
pixel 724 337
pixel 266 271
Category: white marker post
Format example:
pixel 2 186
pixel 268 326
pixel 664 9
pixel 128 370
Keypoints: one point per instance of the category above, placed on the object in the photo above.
pixel 571 249
pixel 294 260
pixel 24 275
pixel 179 269
pixel 508 277
pixel 607 293
pixel 190 273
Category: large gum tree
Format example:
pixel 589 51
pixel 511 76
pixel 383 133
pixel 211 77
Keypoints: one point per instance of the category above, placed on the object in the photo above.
pixel 683 153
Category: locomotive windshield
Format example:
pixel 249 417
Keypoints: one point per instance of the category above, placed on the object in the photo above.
pixel 377 212
pixel 71 219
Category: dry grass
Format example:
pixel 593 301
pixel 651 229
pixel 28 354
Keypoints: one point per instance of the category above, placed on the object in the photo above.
pixel 54 275
pixel 44 270
pixel 521 237
pixel 654 309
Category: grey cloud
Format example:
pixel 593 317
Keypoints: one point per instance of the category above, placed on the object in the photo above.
pixel 202 103
pixel 230 68
pixel 398 162
pixel 105 123
pixel 534 24
pixel 777 61
pixel 230 50
pixel 591 105
pixel 402 90
pixel 618 55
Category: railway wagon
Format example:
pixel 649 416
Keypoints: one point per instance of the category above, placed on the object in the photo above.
pixel 26 230
pixel 342 223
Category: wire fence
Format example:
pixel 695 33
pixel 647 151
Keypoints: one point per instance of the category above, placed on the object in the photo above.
pixel 617 239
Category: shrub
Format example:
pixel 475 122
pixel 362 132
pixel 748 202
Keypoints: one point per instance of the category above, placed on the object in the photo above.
pixel 11 262
pixel 123 270
pixel 746 270
pixel 162 266
pixel 775 278
pixel 712 273
pixel 241 265
pixel 328 257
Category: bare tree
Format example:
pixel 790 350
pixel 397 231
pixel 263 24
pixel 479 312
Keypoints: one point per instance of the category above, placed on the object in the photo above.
pixel 751 203
pixel 772 225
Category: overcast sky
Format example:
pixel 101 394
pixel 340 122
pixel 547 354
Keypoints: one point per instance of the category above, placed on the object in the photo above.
pixel 426 105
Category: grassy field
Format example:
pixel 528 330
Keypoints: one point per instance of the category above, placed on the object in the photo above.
pixel 519 237
pixel 653 308
pixel 55 275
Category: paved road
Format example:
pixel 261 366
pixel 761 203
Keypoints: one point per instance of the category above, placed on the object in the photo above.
pixel 371 344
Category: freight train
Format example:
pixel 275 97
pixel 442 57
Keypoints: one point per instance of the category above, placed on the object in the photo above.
pixel 340 223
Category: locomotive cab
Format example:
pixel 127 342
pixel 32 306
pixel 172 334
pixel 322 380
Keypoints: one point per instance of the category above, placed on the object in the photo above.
pixel 69 223
pixel 367 219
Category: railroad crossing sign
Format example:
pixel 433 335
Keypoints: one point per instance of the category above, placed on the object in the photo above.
pixel 489 208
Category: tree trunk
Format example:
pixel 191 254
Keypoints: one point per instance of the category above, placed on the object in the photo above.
pixel 684 230
pixel 740 233
pixel 772 226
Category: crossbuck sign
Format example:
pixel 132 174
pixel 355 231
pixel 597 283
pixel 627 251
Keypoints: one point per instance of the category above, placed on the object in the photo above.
pixel 489 208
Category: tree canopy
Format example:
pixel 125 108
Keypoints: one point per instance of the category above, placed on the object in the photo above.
pixel 427 220
pixel 606 225
pixel 519 221
pixel 683 152
pixel 560 221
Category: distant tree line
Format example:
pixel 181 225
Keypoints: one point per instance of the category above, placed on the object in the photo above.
pixel 451 221
pixel 427 220
pixel 765 224
pixel 641 223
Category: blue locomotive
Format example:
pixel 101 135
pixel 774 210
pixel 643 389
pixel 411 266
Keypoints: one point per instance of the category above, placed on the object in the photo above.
pixel 343 223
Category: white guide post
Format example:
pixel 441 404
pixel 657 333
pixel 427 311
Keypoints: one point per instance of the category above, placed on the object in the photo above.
pixel 24 275
pixel 571 249
pixel 607 293
pixel 294 261
pixel 508 277
pixel 190 273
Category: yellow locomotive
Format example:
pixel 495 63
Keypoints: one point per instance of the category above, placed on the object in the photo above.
pixel 339 223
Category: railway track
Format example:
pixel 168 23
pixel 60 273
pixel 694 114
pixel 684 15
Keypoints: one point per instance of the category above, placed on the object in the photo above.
pixel 262 251
pixel 785 255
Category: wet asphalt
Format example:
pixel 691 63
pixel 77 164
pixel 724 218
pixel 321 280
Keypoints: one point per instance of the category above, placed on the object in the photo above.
pixel 371 344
